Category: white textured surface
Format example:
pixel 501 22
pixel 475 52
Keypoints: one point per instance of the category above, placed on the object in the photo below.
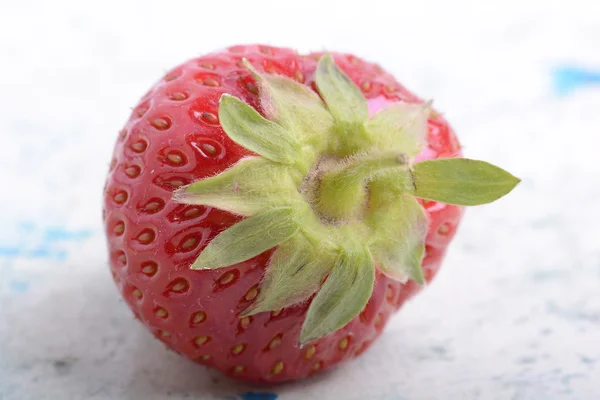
pixel 514 313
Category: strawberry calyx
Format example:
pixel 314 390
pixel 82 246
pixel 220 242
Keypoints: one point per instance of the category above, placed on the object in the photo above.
pixel 334 191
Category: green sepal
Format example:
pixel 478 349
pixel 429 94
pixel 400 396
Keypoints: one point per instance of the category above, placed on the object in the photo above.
pixel 249 238
pixel 294 106
pixel 295 272
pixel 251 186
pixel 343 98
pixel 401 127
pixel 401 226
pixel 343 295
pixel 245 126
pixel 331 194
pixel 461 181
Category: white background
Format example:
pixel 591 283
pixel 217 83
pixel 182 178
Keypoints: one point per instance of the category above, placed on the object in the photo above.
pixel 514 313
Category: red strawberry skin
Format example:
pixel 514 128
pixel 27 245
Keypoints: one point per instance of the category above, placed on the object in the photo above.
pixel 173 138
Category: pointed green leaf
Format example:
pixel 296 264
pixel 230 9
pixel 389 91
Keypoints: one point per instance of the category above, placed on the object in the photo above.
pixel 251 186
pixel 401 127
pixel 245 126
pixel 343 98
pixel 399 245
pixel 295 272
pixel 343 295
pixel 294 106
pixel 248 238
pixel 461 181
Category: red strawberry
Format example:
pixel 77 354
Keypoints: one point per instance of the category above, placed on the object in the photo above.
pixel 223 222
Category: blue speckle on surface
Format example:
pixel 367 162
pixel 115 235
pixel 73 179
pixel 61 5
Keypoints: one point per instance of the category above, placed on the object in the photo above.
pixel 258 396
pixel 46 252
pixel 55 234
pixel 19 286
pixel 568 78
pixel 587 360
pixel 27 226
pixel 9 251
pixel 40 252
pixel 34 242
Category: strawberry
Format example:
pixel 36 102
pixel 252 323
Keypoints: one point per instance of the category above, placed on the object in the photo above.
pixel 267 212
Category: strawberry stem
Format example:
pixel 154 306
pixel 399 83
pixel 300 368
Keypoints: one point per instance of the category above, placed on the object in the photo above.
pixel 342 191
